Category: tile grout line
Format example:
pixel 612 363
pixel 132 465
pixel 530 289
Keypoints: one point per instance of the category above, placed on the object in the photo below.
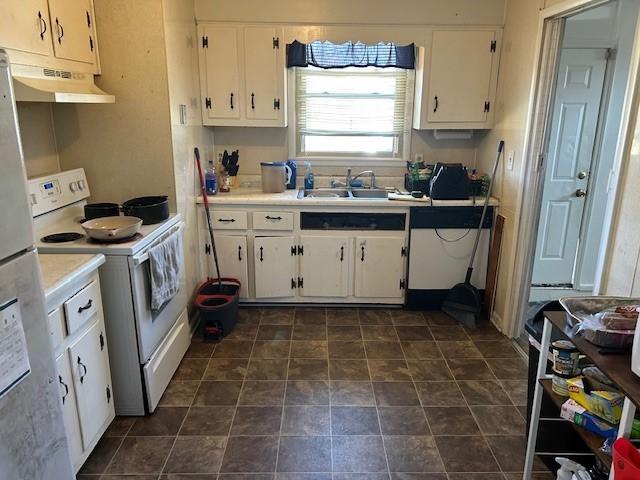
pixel 375 401
pixel 284 395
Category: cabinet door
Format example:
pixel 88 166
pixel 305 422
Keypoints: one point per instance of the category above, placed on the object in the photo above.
pixel 379 267
pixel 221 73
pixel 232 259
pixel 72 30
pixel 460 75
pixel 324 266
pixel 275 267
pixel 264 73
pixel 25 26
pixel 92 380
pixel 69 408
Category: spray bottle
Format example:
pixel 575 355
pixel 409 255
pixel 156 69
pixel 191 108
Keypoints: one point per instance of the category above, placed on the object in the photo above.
pixel 570 470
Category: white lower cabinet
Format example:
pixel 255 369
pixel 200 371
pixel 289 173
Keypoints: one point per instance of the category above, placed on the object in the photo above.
pixel 275 267
pixel 379 267
pixel 232 260
pixel 69 406
pixel 82 365
pixel 324 266
pixel 92 380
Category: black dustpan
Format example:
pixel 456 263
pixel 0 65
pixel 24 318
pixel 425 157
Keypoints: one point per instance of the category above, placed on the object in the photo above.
pixel 464 302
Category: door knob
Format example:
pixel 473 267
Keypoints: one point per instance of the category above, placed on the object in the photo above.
pixel 581 193
pixel 582 175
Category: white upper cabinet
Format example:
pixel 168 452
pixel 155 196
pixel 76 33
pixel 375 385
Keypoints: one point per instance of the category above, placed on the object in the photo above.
pixel 264 73
pixel 242 76
pixel 56 34
pixel 457 78
pixel 72 30
pixel 25 27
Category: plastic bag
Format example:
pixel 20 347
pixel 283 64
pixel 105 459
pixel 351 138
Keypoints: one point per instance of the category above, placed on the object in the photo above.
pixel 593 328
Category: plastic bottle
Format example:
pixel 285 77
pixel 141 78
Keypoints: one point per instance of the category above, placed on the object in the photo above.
pixel 568 468
pixel 211 180
pixel 308 178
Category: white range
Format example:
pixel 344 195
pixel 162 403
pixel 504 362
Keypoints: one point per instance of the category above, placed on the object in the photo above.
pixel 145 346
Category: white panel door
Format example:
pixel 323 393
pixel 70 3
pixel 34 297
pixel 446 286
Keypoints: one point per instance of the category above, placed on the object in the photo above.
pixel 324 266
pixel 222 73
pixel 72 30
pixel 460 75
pixel 274 266
pixel 379 267
pixel 232 260
pixel 92 380
pixel 569 162
pixel 264 74
pixel 69 408
pixel 25 26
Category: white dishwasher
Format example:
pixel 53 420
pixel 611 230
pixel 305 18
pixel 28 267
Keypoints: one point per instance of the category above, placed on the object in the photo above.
pixel 440 244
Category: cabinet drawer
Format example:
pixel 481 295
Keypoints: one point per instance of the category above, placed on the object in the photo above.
pixel 82 306
pixel 272 221
pixel 55 321
pixel 229 220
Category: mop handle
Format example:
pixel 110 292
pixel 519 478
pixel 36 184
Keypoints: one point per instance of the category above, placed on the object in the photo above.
pixel 484 210
pixel 196 152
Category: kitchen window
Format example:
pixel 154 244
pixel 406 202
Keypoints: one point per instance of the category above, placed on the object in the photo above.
pixel 353 112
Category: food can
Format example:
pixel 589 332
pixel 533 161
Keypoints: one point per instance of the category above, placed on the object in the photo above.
pixel 559 385
pixel 565 357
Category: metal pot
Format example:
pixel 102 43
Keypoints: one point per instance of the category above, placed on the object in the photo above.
pixel 150 209
pixel 99 210
pixel 112 228
pixel 275 176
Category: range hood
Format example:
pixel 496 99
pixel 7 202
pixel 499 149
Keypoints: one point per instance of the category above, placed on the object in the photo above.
pixel 37 84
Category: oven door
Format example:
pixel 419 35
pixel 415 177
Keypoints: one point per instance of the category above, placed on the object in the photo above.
pixel 152 326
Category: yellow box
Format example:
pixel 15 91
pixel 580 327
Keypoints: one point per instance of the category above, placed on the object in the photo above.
pixel 606 405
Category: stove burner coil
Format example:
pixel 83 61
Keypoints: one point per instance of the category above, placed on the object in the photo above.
pixel 62 237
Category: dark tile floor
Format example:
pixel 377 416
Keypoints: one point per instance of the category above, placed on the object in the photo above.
pixel 332 394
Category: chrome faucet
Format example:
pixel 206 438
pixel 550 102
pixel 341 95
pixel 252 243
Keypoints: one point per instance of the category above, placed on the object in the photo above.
pixel 372 182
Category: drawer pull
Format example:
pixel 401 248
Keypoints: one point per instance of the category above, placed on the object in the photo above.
pixel 88 305
pixel 84 367
pixel 342 253
pixel 362 257
pixel 269 217
pixel 253 104
pixel 66 388
pixel 239 253
pixel 226 220
pixel 261 259
pixel 436 104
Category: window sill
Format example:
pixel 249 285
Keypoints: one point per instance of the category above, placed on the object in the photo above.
pixel 352 161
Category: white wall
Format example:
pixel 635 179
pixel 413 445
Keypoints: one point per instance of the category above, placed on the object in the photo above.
pixel 398 12
pixel 38 138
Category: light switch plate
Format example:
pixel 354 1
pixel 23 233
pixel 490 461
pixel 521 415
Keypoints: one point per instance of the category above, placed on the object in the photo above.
pixel 510 158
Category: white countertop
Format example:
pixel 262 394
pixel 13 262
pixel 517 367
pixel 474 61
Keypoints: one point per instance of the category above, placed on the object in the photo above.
pixel 245 196
pixel 60 269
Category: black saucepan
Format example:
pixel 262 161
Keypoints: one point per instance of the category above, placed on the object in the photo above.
pixel 99 210
pixel 150 209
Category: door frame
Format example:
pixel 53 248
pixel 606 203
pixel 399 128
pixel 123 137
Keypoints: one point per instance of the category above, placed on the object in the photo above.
pixel 527 214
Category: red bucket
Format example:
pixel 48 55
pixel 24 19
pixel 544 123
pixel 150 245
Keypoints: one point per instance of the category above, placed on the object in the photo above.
pixel 626 460
pixel 217 303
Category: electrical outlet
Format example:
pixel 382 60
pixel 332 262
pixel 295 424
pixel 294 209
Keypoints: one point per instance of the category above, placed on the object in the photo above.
pixel 510 157
pixel 418 157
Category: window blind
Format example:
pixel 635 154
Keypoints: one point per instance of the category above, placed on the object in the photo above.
pixel 351 102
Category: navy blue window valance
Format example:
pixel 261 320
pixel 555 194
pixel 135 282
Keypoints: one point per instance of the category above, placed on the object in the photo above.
pixel 331 55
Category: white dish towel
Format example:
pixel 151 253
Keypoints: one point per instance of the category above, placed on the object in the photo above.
pixel 165 267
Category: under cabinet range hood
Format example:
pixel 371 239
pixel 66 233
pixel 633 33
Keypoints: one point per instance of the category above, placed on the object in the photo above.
pixel 37 84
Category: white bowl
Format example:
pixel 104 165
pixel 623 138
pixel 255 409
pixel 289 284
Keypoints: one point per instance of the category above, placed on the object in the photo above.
pixel 112 228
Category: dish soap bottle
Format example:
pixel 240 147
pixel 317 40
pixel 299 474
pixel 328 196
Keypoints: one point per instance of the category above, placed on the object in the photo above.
pixel 211 180
pixel 308 178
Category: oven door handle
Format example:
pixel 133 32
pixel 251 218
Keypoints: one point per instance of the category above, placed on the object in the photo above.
pixel 143 257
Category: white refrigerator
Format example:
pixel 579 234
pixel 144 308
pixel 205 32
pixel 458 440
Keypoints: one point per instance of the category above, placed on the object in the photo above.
pixel 33 444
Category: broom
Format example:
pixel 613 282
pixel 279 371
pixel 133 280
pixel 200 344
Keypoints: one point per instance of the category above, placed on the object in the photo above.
pixel 464 302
